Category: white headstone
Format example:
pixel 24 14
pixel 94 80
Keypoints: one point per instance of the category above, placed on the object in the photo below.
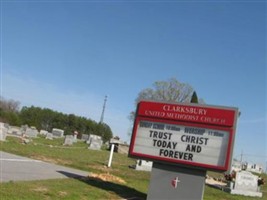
pixel 246 184
pixel 43 132
pixel 74 138
pixel 14 130
pixel 85 137
pixel 57 132
pixel 3 132
pixel 31 132
pixel 143 165
pixel 49 136
pixel 68 140
pixel 95 142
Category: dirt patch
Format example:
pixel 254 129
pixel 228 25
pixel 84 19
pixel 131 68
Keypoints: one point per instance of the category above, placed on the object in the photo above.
pixel 106 177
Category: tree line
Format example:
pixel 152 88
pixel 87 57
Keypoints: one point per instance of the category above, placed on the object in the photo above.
pixel 171 90
pixel 47 119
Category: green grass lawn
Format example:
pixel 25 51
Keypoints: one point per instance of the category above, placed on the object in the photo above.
pixel 78 156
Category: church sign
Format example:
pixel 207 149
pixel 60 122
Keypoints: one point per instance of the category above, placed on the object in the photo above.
pixel 193 135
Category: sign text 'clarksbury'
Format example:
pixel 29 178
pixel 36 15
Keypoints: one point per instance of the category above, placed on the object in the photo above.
pixel 189 113
pixel 183 134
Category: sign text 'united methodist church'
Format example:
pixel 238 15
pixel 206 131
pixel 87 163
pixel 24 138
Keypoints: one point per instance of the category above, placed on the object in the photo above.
pixel 185 134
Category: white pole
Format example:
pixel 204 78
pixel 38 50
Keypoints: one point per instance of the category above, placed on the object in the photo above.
pixel 111 155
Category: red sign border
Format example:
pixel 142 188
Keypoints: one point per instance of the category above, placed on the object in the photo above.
pixel 228 128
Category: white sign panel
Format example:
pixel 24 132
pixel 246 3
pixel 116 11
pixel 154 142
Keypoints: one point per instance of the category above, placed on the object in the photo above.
pixel 181 142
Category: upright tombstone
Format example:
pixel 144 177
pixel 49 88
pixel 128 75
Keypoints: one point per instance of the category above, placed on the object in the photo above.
pixel 57 132
pixel 23 128
pixel 30 132
pixel 246 184
pixel 95 142
pixel 85 137
pixel 75 134
pixel 14 130
pixel 183 141
pixel 3 132
pixel 69 139
pixel 143 165
pixel 49 136
pixel 43 132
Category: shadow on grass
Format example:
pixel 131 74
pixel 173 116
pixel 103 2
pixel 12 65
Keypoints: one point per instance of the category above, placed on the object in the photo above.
pixel 122 190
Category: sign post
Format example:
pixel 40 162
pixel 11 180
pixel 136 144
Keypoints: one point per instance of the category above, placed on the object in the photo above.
pixel 184 141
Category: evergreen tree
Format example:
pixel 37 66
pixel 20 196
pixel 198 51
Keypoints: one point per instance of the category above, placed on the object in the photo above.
pixel 194 98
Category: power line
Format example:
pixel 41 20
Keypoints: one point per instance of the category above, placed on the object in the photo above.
pixel 253 155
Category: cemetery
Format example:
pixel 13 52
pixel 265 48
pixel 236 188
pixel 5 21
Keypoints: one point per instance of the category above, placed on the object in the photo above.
pixel 125 181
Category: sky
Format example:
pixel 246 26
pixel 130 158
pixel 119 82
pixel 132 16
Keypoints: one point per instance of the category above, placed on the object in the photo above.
pixel 67 55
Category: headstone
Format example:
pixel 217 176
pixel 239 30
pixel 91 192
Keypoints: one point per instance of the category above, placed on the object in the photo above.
pixel 95 137
pixel 246 184
pixel 49 136
pixel 74 138
pixel 75 134
pixel 23 128
pixel 95 142
pixel 13 130
pixel 43 132
pixel 3 132
pixel 143 165
pixel 68 140
pixel 31 132
pixel 57 132
pixel 85 137
pixel 255 168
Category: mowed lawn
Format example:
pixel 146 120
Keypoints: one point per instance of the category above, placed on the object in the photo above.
pixel 117 182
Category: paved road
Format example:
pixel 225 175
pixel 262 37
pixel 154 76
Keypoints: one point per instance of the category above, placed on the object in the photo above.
pixel 18 168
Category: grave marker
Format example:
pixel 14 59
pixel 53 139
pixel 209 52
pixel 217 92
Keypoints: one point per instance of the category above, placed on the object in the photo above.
pixel 57 132
pixel 14 130
pixel 85 137
pixel 95 142
pixel 3 132
pixel 143 165
pixel 43 132
pixel 31 132
pixel 49 136
pixel 69 139
pixel 246 184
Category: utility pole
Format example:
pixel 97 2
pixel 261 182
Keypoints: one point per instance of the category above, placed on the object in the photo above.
pixel 103 111
pixel 241 159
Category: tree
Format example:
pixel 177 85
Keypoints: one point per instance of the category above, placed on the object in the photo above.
pixel 47 119
pixel 194 98
pixel 9 111
pixel 104 131
pixel 170 91
pixel 9 105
